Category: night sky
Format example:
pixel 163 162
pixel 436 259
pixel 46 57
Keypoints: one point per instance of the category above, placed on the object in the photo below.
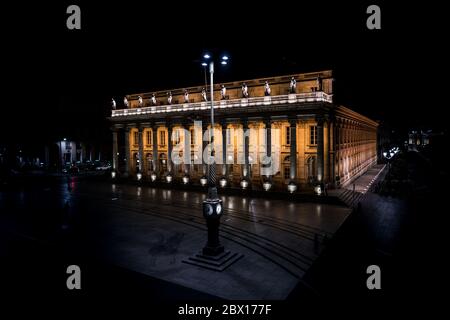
pixel 59 82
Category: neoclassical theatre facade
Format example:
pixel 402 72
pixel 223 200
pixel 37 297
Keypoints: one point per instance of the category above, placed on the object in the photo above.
pixel 311 140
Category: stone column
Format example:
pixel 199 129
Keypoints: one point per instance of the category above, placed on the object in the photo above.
pixel 293 153
pixel 155 149
pixel 187 149
pixel 224 150
pixel 141 149
pixel 127 151
pixel 268 167
pixel 320 167
pixel 246 171
pixel 115 150
pixel 169 148
pixel 302 128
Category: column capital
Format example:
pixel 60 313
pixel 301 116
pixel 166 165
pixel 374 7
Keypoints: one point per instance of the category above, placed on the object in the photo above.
pixel 223 123
pixel 320 119
pixel 186 124
pixel 292 121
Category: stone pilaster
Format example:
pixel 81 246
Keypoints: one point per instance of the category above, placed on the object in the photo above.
pixel 293 149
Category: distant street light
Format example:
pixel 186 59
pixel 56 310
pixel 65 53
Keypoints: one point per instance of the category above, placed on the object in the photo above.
pixel 389 155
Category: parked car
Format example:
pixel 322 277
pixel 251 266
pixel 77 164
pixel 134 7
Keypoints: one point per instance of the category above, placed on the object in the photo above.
pixel 104 167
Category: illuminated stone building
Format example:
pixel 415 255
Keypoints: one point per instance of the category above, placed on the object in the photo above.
pixel 312 140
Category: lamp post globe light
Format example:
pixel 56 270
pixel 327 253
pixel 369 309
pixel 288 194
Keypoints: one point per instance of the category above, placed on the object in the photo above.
pixel 389 155
pixel 267 185
pixel 212 206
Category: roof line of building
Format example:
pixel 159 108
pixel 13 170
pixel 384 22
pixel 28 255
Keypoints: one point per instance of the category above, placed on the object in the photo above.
pixel 305 76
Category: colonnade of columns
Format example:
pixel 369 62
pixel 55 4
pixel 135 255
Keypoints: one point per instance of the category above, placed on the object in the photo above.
pixel 339 149
pixel 355 149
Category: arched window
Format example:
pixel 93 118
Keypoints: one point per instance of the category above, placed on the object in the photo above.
pixel 163 162
pixel 311 169
pixel 149 161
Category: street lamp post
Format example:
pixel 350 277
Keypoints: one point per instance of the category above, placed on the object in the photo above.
pixel 212 206
pixel 389 155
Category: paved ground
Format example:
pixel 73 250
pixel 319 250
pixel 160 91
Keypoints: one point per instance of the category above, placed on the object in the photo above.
pixel 399 234
pixel 150 231
pixel 129 242
pixel 363 183
pixel 353 193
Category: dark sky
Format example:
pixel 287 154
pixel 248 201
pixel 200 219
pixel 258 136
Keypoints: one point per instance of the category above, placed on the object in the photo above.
pixel 60 81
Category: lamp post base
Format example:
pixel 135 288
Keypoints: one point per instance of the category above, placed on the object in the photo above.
pixel 212 211
pixel 218 263
pixel 213 251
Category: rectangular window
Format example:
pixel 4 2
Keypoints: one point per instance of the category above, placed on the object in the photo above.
pixel 288 135
pixel 136 137
pixel 228 136
pixel 313 135
pixel 177 137
pixel 162 138
pixel 192 136
pixel 287 172
pixel 149 137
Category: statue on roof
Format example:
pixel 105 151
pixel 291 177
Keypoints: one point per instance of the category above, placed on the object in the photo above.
pixel 223 92
pixel 319 83
pixel 266 89
pixel 125 102
pixel 169 97
pixel 244 90
pixel 113 104
pixel 293 85
pixel 204 97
